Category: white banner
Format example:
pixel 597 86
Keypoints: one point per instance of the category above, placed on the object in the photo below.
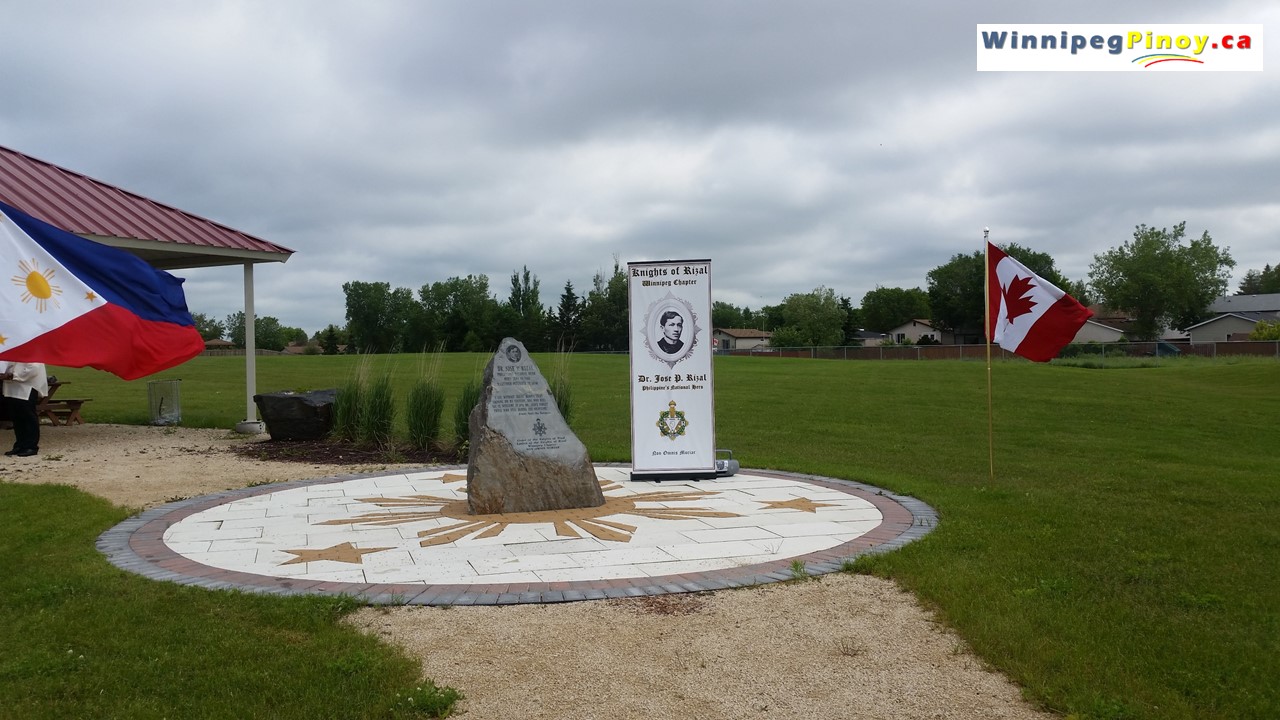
pixel 672 403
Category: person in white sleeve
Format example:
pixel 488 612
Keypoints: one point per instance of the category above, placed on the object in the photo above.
pixel 24 385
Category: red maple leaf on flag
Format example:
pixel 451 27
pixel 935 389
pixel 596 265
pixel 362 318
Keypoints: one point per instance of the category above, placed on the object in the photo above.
pixel 1015 301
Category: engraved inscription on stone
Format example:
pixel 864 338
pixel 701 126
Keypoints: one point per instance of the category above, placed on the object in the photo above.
pixel 523 456
pixel 519 404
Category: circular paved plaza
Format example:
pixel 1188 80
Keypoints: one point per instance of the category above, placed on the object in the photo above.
pixel 407 538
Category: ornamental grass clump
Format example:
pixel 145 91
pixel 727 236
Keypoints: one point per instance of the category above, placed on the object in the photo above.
pixel 425 405
pixel 378 413
pixel 346 409
pixel 558 383
pixel 462 416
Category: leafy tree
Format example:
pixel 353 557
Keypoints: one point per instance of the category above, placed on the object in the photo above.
pixel 1161 279
pixel 725 315
pixel 294 336
pixel 567 319
pixel 1266 330
pixel 810 319
pixel 1257 282
pixel 268 333
pixel 209 328
pixel 884 309
pixel 377 316
pixel 530 316
pixel 769 318
pixel 464 316
pixel 235 328
pixel 956 292
pixel 604 313
pixel 1079 290
pixel 330 340
pixel 853 321
pixel 787 337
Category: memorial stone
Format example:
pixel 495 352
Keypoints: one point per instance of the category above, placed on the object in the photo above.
pixel 523 456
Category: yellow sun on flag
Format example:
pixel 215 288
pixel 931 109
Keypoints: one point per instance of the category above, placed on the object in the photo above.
pixel 37 285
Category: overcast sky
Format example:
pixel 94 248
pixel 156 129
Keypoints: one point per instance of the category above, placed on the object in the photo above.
pixel 797 144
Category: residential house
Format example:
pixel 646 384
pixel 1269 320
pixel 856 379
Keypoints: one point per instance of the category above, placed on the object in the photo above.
pixel 739 338
pixel 1094 331
pixel 300 348
pixel 870 338
pixel 915 330
pixel 1124 322
pixel 1229 326
pixel 1236 316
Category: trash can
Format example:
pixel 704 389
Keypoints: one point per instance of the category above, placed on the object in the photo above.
pixel 165 400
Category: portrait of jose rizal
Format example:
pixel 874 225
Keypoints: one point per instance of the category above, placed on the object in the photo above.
pixel 671 323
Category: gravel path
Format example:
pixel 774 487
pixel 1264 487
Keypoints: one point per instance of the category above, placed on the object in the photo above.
pixel 839 646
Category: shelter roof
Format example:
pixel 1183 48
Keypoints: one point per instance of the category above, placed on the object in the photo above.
pixel 164 236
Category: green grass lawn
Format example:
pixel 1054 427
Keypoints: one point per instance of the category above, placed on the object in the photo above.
pixel 83 639
pixel 1121 563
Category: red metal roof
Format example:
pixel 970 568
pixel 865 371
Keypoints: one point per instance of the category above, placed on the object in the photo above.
pixel 84 206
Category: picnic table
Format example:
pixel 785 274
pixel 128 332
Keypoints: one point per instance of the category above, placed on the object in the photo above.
pixel 62 411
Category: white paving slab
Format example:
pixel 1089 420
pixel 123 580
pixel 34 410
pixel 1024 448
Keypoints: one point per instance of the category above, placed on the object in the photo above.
pixel 259 534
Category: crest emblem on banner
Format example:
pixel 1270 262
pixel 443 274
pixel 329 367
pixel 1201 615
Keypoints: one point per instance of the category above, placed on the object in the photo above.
pixel 672 423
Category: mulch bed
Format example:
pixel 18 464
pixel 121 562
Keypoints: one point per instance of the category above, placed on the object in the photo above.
pixel 335 452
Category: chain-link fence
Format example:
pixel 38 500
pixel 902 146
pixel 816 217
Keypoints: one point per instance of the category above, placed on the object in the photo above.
pixel 1265 348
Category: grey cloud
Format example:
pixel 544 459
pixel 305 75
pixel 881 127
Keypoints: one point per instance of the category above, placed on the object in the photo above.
pixel 798 144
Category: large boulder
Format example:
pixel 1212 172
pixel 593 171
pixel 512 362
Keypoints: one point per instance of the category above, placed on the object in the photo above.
pixel 297 416
pixel 522 455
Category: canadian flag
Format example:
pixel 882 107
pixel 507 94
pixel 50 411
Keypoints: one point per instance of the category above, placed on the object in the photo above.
pixel 1027 315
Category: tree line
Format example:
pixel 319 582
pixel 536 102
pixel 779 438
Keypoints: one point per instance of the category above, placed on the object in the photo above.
pixel 463 315
pixel 1160 278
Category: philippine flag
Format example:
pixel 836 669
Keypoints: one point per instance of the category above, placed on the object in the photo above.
pixel 77 303
pixel 1028 315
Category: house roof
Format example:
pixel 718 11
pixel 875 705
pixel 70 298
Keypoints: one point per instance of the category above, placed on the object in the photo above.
pixel 1253 317
pixel 1102 325
pixel 1119 320
pixel 912 323
pixel 745 333
pixel 1246 303
pixel 164 236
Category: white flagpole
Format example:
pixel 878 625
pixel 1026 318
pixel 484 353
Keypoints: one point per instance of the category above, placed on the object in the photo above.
pixel 986 330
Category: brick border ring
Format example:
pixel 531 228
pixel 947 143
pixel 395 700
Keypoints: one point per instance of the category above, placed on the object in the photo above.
pixel 139 544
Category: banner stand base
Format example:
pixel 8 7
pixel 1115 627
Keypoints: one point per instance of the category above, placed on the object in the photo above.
pixel 660 477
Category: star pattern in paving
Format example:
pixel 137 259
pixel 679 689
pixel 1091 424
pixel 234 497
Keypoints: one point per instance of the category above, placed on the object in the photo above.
pixel 342 552
pixel 414 508
pixel 801 503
